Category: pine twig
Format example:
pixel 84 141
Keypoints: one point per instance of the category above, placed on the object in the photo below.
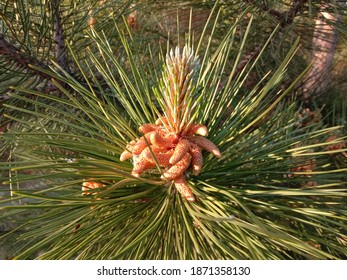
pixel 285 18
pixel 21 58
pixel 58 36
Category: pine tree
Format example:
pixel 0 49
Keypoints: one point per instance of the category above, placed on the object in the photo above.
pixel 149 130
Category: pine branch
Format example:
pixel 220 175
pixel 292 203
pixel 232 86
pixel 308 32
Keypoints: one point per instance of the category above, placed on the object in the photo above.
pixel 30 63
pixel 21 58
pixel 285 18
pixel 296 8
pixel 58 36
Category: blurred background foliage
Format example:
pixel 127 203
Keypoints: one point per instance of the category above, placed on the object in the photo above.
pixel 33 32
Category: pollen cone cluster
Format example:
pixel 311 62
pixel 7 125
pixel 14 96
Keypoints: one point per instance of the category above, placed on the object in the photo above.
pixel 174 142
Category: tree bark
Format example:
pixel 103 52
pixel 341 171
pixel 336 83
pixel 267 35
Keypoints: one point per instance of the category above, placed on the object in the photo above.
pixel 324 45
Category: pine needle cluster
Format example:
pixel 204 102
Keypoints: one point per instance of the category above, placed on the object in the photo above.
pixel 270 191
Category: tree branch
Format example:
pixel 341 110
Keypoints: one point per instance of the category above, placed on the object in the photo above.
pixel 21 58
pixel 58 36
pixel 285 18
pixel 297 7
pixel 324 44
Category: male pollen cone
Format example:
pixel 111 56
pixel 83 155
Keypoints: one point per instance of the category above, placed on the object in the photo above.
pixel 162 156
pixel 160 140
pixel 178 168
pixel 174 142
pixel 207 145
pixel 197 159
pixel 183 188
pixel 140 166
pixel 142 143
pixel 181 149
pixel 148 127
pixel 198 128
